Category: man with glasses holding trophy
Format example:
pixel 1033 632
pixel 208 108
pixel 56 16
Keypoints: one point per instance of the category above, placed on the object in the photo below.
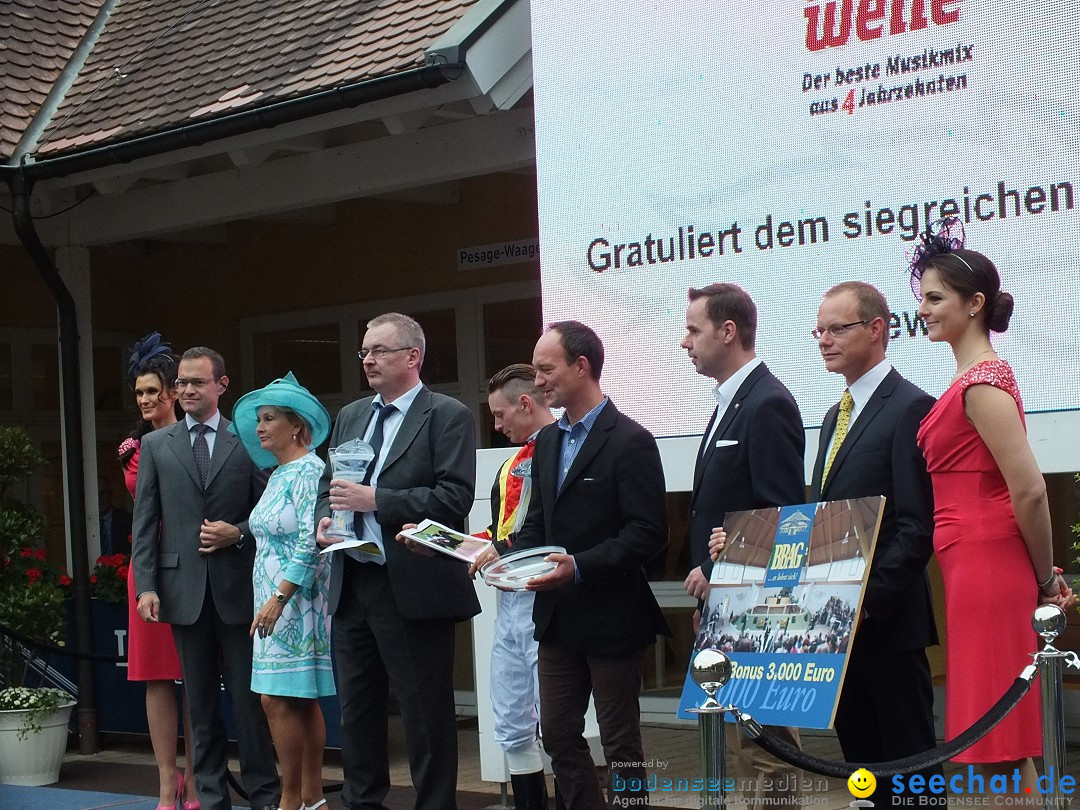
pixel 394 611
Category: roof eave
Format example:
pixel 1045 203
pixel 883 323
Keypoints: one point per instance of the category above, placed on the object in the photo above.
pixel 240 122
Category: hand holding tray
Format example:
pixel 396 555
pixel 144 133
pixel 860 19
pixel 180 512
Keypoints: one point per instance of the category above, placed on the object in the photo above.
pixel 513 571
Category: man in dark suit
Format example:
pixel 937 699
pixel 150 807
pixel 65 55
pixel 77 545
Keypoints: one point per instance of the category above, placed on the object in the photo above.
pixel 751 456
pixel 193 554
pixel 598 491
pixel 886 706
pixel 115 524
pixel 395 611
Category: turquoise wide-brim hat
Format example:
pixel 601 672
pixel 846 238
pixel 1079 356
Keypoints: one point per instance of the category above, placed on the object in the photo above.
pixel 284 392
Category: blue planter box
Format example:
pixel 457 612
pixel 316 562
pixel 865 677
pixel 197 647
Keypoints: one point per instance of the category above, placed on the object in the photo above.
pixel 121 704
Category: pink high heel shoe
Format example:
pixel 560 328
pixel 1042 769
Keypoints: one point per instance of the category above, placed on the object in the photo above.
pixel 179 793
pixel 187 805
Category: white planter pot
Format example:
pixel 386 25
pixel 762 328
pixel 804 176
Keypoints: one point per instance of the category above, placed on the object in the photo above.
pixel 36 759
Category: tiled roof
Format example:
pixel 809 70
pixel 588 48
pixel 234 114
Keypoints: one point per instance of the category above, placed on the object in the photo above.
pixel 163 63
pixel 36 41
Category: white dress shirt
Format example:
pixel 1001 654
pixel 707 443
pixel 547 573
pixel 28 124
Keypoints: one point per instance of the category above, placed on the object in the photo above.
pixel 725 392
pixel 861 390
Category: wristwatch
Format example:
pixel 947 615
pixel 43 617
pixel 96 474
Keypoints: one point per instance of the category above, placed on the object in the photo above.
pixel 282 598
pixel 240 543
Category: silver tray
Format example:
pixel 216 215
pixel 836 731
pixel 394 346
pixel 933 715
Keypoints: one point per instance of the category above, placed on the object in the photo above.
pixel 515 570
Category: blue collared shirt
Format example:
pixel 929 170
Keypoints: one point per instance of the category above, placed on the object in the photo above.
pixel 574 437
pixel 211 435
pixel 372 531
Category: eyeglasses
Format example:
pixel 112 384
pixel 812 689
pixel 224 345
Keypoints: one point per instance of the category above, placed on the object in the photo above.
pixel 836 331
pixel 379 354
pixel 195 382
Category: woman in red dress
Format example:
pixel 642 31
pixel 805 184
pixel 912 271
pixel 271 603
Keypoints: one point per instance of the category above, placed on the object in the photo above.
pixel 152 654
pixel 992 533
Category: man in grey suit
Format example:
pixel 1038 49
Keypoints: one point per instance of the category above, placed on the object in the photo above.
pixel 394 611
pixel 192 557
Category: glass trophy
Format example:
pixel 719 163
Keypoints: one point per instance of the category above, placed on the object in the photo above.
pixel 349 462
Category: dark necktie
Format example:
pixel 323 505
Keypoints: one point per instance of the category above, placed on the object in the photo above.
pixel 376 439
pixel 202 452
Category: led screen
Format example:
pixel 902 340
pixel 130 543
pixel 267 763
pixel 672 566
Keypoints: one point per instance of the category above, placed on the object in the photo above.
pixel 788 146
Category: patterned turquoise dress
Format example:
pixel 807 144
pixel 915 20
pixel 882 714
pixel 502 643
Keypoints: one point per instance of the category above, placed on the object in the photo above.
pixel 294 660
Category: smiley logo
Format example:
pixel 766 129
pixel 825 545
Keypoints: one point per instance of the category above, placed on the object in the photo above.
pixel 861 783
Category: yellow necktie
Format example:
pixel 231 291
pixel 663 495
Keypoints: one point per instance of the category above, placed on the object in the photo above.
pixel 842 419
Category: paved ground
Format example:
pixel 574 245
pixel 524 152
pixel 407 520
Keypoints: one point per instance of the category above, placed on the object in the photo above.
pixel 126 766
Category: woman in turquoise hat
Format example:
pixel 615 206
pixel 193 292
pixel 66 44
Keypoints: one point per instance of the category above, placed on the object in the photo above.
pixel 279 425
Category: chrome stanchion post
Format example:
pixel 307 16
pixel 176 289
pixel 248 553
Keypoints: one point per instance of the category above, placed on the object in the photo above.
pixel 1049 622
pixel 711 669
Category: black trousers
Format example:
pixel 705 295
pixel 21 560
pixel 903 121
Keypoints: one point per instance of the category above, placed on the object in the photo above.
pixel 375 649
pixel 886 710
pixel 212 653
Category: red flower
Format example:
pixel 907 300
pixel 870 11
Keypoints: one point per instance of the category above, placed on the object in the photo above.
pixel 100 560
pixel 93 579
pixel 40 554
pixel 33 574
pixel 118 559
pixel 65 580
pixel 26 553
pixel 121 572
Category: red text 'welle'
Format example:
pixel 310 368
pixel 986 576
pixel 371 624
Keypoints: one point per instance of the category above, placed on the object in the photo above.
pixel 831 24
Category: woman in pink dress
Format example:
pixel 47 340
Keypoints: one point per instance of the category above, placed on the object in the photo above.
pixel 992 533
pixel 152 654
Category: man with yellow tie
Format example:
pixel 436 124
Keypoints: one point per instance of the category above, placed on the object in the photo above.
pixel 867 447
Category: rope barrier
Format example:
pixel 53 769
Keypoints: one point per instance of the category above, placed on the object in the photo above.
pixel 825 767
pixel 36 644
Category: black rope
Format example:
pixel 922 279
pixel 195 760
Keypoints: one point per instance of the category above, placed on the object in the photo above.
pixel 34 643
pixel 26 641
pixel 825 767
pixel 236 786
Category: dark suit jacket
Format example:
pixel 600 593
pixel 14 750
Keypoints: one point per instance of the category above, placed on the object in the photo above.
pixel 169 497
pixel 764 468
pixel 430 472
pixel 611 515
pixel 119 531
pixel 879 456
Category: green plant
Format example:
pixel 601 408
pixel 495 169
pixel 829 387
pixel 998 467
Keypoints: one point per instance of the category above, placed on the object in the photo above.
pixel 18 461
pixel 37 703
pixel 108 582
pixel 31 590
